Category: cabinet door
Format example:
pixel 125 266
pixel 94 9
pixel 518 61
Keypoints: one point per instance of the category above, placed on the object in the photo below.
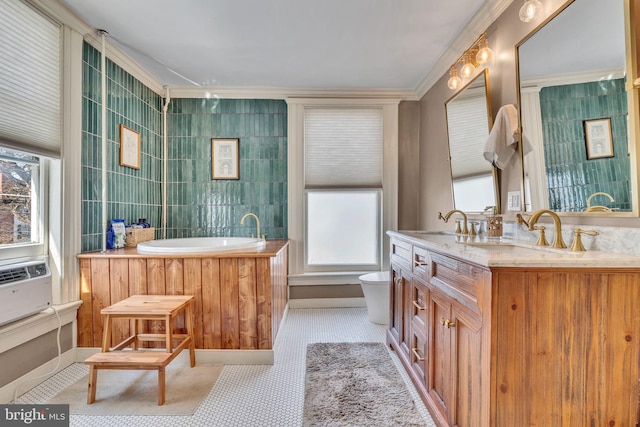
pixel 469 407
pixel 399 300
pixel 439 384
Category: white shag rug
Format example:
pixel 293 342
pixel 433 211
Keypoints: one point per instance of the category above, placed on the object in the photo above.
pixel 355 384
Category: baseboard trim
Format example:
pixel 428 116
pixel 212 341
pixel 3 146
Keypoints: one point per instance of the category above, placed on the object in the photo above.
pixel 41 373
pixel 327 303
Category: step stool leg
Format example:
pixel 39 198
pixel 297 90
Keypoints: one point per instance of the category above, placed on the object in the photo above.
pixel 161 394
pixel 93 379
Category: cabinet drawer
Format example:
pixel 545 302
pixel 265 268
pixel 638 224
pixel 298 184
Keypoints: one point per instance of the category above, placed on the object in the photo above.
pixel 419 305
pixel 401 252
pixel 420 263
pixel 418 357
pixel 459 279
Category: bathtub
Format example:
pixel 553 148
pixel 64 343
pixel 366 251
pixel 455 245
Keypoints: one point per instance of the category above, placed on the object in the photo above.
pixel 198 244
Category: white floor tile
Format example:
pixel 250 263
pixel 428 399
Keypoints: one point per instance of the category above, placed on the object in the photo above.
pixel 251 395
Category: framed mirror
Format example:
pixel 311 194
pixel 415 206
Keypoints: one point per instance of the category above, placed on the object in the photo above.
pixel 576 137
pixel 469 117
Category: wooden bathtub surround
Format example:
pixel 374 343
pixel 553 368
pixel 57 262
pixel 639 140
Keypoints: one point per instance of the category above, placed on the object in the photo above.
pixel 516 346
pixel 239 296
pixel 136 309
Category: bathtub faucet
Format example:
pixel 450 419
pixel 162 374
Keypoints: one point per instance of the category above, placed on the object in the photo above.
pixel 257 222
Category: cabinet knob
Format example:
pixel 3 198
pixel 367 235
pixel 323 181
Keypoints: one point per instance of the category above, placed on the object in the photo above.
pixel 448 323
pixel 417 355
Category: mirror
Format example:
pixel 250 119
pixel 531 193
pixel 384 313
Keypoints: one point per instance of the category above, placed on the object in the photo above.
pixel 468 124
pixel 573 111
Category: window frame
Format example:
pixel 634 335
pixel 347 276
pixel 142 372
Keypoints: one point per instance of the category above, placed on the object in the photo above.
pixel 296 214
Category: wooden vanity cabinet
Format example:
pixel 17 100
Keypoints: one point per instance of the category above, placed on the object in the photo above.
pixel 517 346
pixel 446 356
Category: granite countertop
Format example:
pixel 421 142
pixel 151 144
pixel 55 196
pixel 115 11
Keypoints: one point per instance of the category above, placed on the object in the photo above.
pixel 514 253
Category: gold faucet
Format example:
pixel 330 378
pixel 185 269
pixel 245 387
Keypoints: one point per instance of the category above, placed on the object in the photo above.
pixel 465 228
pixel 557 236
pixel 598 208
pixel 257 222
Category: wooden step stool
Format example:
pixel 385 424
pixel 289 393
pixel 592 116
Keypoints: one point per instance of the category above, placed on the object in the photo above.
pixel 138 308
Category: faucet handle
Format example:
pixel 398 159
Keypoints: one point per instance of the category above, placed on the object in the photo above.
pixel 458 229
pixel 472 231
pixel 577 245
pixel 542 238
pixel 521 220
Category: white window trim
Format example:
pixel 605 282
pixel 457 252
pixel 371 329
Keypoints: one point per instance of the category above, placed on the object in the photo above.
pixel 296 197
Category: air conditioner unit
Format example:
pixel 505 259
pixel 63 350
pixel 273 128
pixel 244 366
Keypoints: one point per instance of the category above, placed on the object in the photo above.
pixel 25 289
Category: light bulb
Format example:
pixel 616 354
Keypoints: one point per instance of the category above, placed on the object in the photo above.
pixel 485 54
pixel 454 81
pixel 529 10
pixel 467 69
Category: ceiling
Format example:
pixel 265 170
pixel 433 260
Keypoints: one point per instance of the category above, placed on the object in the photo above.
pixel 321 44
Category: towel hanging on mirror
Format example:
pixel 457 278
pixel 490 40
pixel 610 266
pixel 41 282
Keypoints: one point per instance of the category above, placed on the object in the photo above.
pixel 503 138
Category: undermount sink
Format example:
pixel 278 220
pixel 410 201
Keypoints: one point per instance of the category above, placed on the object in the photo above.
pixel 507 247
pixel 436 232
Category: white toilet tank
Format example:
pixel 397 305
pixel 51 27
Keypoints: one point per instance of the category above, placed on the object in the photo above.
pixel 375 287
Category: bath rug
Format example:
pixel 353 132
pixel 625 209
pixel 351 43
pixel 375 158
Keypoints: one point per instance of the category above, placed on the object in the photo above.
pixel 355 384
pixel 128 392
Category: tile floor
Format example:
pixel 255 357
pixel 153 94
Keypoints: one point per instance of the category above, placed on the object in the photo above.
pixel 251 395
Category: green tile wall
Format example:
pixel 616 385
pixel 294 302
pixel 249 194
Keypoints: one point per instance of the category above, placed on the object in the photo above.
pixel 571 178
pixel 198 205
pixel 131 193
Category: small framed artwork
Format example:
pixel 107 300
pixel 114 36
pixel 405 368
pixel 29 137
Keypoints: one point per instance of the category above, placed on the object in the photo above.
pixel 598 138
pixel 224 159
pixel 129 147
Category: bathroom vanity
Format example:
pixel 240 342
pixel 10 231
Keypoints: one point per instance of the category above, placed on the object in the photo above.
pixel 505 334
pixel 240 296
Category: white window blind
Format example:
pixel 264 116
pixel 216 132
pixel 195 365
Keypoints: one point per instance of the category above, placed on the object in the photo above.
pixel 343 147
pixel 30 80
pixel 468 133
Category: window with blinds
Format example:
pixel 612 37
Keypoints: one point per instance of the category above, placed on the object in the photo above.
pixel 468 131
pixel 343 180
pixel 343 147
pixel 30 80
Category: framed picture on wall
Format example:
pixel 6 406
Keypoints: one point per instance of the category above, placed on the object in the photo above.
pixel 129 147
pixel 224 159
pixel 598 138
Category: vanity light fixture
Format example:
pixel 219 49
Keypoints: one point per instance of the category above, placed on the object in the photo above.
pixel 468 68
pixel 454 82
pixel 529 10
pixel 485 54
pixel 478 53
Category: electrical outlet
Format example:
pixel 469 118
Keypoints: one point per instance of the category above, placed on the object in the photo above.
pixel 513 201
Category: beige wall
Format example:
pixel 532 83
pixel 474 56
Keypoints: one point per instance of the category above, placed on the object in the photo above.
pixel 408 164
pixel 434 191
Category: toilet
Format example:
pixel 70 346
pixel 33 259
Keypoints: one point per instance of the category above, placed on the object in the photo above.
pixel 375 287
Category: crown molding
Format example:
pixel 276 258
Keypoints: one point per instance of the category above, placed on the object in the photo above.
pixel 487 14
pixel 125 62
pixel 287 93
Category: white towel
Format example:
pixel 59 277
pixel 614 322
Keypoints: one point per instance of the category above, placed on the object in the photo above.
pixel 503 139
